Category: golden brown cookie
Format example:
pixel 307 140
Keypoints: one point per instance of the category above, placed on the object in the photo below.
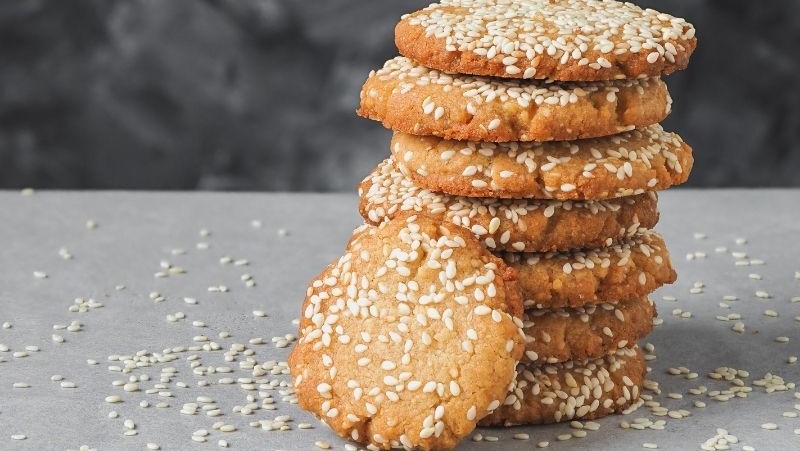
pixel 630 269
pixel 413 99
pixel 626 164
pixel 409 338
pixel 560 40
pixel 516 225
pixel 590 332
pixel 574 390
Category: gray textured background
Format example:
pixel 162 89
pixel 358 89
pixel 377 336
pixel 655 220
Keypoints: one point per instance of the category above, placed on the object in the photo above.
pixel 259 94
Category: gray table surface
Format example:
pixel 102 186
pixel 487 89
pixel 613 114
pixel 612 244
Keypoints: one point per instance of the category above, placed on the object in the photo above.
pixel 137 231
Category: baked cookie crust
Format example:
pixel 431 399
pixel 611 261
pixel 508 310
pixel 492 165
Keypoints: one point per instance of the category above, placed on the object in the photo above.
pixel 413 99
pixel 629 269
pixel 574 390
pixel 515 225
pixel 538 39
pixel 409 338
pixel 630 163
pixel 559 335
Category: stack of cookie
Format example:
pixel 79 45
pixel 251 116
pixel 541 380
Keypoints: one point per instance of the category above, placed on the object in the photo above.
pixel 534 124
pixel 503 271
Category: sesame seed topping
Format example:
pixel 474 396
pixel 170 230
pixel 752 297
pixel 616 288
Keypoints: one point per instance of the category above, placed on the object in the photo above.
pixel 387 191
pixel 523 36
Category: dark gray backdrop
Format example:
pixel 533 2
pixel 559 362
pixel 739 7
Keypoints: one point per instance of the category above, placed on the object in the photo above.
pixel 259 94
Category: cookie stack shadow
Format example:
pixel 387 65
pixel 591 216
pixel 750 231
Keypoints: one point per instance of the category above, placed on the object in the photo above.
pixel 554 165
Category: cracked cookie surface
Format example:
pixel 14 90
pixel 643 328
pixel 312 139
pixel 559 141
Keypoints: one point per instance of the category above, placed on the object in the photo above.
pixel 410 338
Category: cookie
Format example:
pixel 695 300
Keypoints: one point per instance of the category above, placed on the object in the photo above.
pixel 649 159
pixel 538 39
pixel 590 332
pixel 574 390
pixel 630 269
pixel 517 225
pixel 413 99
pixel 409 338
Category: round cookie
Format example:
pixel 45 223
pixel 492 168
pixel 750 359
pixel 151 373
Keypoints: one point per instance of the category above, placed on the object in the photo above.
pixel 630 269
pixel 563 40
pixel 516 225
pixel 559 335
pixel 413 99
pixel 409 338
pixel 574 390
pixel 626 164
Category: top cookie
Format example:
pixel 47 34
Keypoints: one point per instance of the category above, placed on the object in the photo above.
pixel 410 338
pixel 561 40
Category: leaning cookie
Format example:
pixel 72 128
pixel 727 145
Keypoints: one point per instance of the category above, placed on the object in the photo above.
pixel 564 40
pixel 575 390
pixel 409 338
pixel 630 269
pixel 559 335
pixel 410 98
pixel 626 164
pixel 516 225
